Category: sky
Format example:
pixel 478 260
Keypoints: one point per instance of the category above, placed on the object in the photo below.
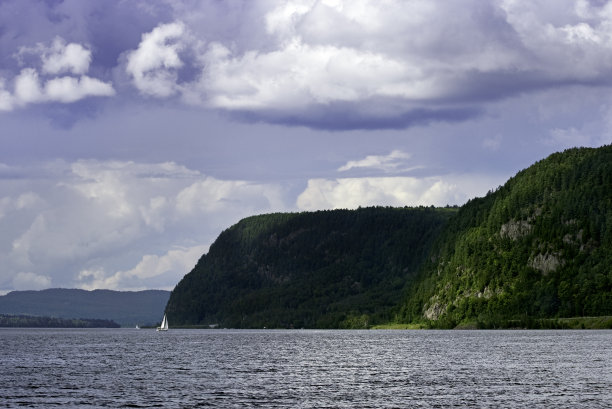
pixel 133 132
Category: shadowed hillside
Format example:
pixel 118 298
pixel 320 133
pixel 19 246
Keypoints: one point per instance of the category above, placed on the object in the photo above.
pixel 325 269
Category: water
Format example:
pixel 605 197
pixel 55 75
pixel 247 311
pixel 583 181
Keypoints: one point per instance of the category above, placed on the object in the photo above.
pixel 304 369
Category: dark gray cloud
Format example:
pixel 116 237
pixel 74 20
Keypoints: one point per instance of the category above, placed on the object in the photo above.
pixel 480 88
pixel 347 116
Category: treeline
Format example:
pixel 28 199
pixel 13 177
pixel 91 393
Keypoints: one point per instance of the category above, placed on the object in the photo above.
pixel 28 321
pixel 326 269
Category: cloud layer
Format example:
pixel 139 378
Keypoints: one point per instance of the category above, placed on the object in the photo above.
pixel 350 193
pixel 155 219
pixel 338 64
pixel 154 64
pixel 383 64
pixel 32 86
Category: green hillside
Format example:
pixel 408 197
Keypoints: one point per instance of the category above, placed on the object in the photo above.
pixel 326 269
pixel 534 253
pixel 538 247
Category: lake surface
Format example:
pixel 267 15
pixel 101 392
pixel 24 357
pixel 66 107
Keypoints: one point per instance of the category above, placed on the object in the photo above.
pixel 304 369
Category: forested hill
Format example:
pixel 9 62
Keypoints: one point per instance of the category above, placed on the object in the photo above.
pixel 29 321
pixel 325 269
pixel 538 247
pixel 127 308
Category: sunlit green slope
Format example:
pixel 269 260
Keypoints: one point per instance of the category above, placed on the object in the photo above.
pixel 538 247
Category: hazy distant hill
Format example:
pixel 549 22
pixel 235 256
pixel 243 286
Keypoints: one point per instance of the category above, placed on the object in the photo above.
pixel 127 308
pixel 29 321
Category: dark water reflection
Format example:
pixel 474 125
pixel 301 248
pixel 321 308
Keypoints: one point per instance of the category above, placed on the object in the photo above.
pixel 293 369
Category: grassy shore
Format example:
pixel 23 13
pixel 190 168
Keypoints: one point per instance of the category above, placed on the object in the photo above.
pixel 602 322
pixel 400 326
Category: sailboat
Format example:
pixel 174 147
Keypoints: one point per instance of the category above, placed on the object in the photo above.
pixel 164 324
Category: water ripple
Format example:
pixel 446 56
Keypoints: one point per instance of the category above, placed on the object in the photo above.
pixel 305 369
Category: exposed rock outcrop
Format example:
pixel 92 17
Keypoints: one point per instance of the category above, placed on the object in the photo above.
pixel 435 310
pixel 515 229
pixel 546 263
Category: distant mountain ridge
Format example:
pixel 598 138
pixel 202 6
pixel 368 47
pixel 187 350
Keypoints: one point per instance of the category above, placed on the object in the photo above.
pixel 127 308
pixel 28 321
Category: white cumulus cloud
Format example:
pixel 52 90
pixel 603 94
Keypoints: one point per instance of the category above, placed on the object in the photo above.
pixel 171 267
pixel 210 194
pixel 32 86
pixel 388 163
pixel 31 281
pixel 347 64
pixel 61 57
pixel 27 87
pixel 153 65
pixel 299 75
pixel 24 201
pixel 71 89
pixel 350 193
pixel 117 224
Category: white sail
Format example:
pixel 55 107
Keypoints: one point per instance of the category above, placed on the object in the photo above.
pixel 164 324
